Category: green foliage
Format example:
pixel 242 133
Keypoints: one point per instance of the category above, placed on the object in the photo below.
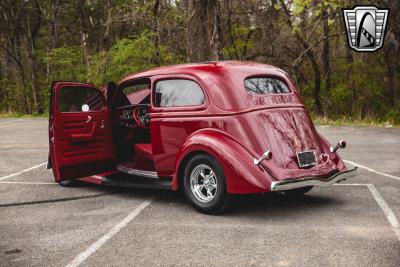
pixel 64 63
pixel 340 94
pixel 241 43
pixel 129 55
pixel 128 36
pixel 299 6
pixel 393 116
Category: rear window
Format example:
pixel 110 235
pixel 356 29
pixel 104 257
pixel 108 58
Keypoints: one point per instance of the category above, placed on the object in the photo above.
pixel 264 85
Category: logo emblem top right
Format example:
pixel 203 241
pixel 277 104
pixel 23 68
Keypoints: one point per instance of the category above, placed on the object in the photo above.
pixel 365 26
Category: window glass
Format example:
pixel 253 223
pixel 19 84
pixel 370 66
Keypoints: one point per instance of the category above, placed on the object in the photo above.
pixel 136 87
pixel 265 85
pixel 78 99
pixel 178 93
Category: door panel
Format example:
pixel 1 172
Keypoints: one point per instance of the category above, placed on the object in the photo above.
pixel 80 133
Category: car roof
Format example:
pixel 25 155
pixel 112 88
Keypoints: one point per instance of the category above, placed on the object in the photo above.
pixel 195 68
pixel 224 80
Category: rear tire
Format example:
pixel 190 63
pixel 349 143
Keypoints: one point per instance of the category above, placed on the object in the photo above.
pixel 69 183
pixel 205 185
pixel 298 191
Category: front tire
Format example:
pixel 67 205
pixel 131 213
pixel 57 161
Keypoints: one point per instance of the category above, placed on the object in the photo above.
pixel 205 185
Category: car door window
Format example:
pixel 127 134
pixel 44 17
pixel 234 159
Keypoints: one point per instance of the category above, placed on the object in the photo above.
pixel 178 93
pixel 80 99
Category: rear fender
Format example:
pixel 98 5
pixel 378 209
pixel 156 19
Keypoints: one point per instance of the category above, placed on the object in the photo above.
pixel 242 176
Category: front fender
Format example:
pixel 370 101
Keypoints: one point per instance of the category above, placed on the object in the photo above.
pixel 242 176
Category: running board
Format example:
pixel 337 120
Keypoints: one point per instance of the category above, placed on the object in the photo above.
pixel 136 172
pixel 137 183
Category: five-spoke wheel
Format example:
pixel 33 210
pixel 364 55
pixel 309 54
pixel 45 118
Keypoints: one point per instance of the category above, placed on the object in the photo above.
pixel 205 185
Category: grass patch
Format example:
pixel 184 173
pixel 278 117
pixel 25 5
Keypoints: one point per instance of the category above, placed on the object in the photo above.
pixel 23 116
pixel 353 122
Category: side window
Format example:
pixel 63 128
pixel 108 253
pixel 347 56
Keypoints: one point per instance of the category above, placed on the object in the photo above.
pixel 78 99
pixel 178 93
pixel 135 88
pixel 263 85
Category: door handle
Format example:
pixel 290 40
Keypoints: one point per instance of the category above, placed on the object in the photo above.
pixel 89 118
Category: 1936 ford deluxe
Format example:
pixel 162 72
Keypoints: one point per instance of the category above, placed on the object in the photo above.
pixel 212 129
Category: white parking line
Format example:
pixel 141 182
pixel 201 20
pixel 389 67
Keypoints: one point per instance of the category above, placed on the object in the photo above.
pixel 96 245
pixel 383 205
pixel 372 170
pixel 386 210
pixel 21 172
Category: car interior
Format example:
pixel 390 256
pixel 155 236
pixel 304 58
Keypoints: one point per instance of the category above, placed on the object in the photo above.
pixel 131 129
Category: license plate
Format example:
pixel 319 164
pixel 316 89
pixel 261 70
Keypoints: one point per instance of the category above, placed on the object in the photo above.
pixel 306 158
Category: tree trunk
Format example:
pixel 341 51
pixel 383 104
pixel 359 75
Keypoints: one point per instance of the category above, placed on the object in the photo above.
pixel 189 30
pixel 350 78
pixel 203 30
pixel 325 55
pixel 311 56
pixel 231 37
pixel 156 29
pixel 390 91
pixel 84 34
pixel 213 29
pixel 34 24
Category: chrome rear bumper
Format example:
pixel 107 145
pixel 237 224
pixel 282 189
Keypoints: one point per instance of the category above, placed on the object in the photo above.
pixel 312 181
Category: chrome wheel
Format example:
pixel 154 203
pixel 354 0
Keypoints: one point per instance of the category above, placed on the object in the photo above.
pixel 203 183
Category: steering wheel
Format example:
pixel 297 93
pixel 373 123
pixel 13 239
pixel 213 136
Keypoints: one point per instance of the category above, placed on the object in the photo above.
pixel 141 117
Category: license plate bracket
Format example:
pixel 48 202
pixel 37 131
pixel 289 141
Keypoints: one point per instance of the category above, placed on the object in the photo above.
pixel 306 158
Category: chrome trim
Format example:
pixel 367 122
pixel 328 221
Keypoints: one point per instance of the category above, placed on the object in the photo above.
pixel 203 183
pixel 267 155
pixel 340 144
pixel 148 174
pixel 312 181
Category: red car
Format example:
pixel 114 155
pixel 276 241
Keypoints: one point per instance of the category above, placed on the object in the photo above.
pixel 212 129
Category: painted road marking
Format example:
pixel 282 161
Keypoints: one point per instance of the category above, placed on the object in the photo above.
pixel 96 245
pixel 29 183
pixel 48 201
pixel 372 170
pixel 21 172
pixel 394 223
pixel 386 209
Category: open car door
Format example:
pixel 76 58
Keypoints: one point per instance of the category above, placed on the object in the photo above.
pixel 80 133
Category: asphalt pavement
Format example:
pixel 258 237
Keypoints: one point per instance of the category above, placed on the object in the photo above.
pixel 351 224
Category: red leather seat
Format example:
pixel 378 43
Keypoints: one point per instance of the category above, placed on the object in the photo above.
pixel 144 151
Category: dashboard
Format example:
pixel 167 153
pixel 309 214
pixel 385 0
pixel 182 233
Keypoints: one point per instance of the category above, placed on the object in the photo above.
pixel 133 116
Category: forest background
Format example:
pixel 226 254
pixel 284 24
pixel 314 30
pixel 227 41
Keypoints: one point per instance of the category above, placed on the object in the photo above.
pixel 98 41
